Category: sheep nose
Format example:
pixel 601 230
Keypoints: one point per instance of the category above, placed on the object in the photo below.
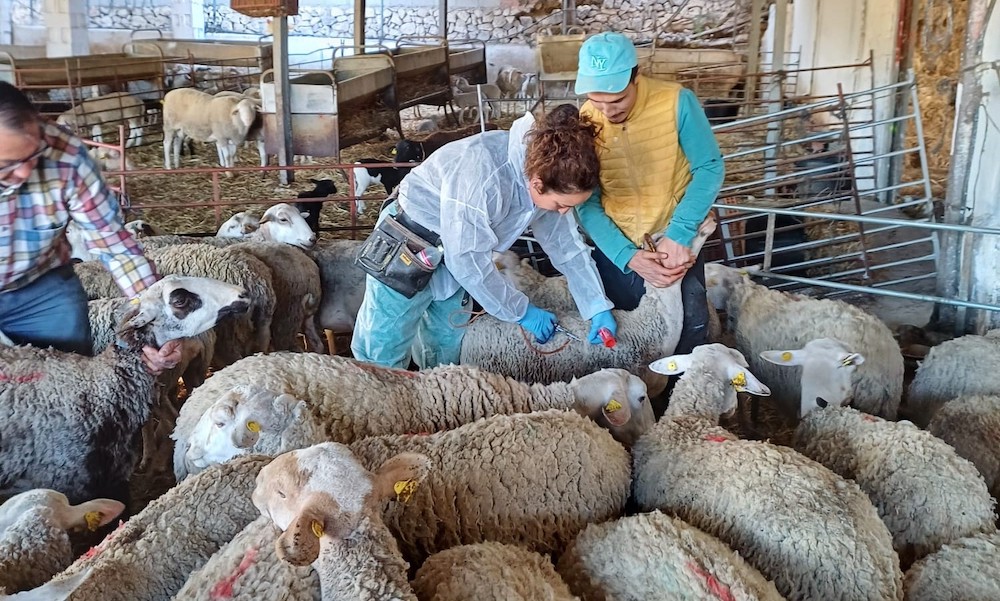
pixel 312 239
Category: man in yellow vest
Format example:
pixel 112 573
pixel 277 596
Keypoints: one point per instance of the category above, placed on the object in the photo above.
pixel 661 170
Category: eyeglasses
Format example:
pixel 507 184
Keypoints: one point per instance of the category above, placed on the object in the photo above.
pixel 15 165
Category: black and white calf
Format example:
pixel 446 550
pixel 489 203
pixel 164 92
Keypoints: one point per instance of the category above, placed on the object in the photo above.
pixel 389 177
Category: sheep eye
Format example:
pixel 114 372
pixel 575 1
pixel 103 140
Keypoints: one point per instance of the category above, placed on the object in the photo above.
pixel 220 425
pixel 642 399
pixel 179 301
pixel 281 494
pixel 283 220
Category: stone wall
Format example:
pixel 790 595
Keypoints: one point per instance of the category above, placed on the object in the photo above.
pixel 487 20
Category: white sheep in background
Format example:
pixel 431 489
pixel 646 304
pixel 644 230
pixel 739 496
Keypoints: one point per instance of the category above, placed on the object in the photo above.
pixel 339 529
pixel 84 412
pixel 109 109
pixel 109 159
pixel 509 80
pixel 188 113
pixel 926 494
pixel 239 225
pixel 971 424
pixel 763 320
pixel 965 366
pixel 534 479
pixel 490 572
pixel 813 533
pixel 216 416
pixel 827 374
pixel 966 569
pixel 142 229
pixel 648 332
pixel 656 556
pixel 34 534
pixel 284 223
pixel 148 557
pixel 529 89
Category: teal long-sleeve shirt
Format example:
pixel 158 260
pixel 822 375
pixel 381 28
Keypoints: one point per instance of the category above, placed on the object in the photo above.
pixel 699 146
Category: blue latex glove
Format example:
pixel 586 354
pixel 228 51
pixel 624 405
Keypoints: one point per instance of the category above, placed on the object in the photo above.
pixel 539 322
pixel 604 319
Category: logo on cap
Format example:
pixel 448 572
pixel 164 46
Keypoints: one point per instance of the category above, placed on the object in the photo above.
pixel 598 63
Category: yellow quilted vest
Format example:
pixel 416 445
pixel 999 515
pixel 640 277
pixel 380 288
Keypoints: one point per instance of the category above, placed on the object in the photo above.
pixel 644 173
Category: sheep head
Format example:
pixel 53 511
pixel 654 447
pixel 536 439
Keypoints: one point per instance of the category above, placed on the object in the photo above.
pixel 89 515
pixel 616 400
pixel 721 281
pixel 284 223
pixel 179 307
pixel 828 367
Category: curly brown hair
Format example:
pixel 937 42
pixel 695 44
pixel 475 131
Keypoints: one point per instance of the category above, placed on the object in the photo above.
pixel 562 152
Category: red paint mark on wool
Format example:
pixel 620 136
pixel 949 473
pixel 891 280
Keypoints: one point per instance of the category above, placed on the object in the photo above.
pixel 719 591
pixel 715 438
pixel 869 418
pixel 223 589
pixel 22 379
pixel 95 551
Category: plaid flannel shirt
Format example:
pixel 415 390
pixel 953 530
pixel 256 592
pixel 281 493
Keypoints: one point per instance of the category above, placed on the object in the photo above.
pixel 66 184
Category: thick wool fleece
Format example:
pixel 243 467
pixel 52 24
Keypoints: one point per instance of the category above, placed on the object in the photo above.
pixel 32 551
pixel 764 320
pixel 972 426
pixel 654 556
pixel 816 535
pixel 926 494
pixel 489 572
pixel 149 557
pixel 533 479
pixel 966 569
pixel 965 366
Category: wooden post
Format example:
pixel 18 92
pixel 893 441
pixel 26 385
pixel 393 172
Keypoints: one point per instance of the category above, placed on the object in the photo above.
pixel 359 22
pixel 753 51
pixel 282 98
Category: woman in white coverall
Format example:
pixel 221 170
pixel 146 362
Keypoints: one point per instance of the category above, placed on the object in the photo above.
pixel 477 195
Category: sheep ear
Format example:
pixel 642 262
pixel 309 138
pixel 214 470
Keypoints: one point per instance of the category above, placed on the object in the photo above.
pixel 136 318
pixel 849 359
pixel 400 476
pixel 299 544
pixel 672 365
pixel 224 410
pixel 286 403
pixel 797 357
pixel 91 515
pixel 743 381
pixel 305 214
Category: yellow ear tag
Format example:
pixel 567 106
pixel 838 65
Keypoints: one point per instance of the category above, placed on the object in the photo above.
pixel 744 273
pixel 93 519
pixel 253 426
pixel 134 301
pixel 672 365
pixel 317 528
pixel 848 361
pixel 404 490
pixel 786 356
pixel 739 381
pixel 612 406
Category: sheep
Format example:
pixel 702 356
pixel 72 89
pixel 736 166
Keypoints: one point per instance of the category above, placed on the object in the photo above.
pixel 657 557
pixel 297 290
pixel 467 96
pixel 286 224
pixel 764 320
pixel 813 533
pixel 509 81
pixel 489 572
pixel 364 177
pixel 34 535
pixel 142 229
pixel 966 569
pixel 415 151
pixel 337 391
pixel 343 284
pixel 149 557
pixel 926 494
pixel 110 160
pixel 533 479
pixel 529 89
pixel 963 366
pixel 337 528
pixel 239 225
pixel 971 424
pixel 202 117
pixel 106 109
pixel 322 188
pixel 828 367
pixel 70 420
pixel 649 331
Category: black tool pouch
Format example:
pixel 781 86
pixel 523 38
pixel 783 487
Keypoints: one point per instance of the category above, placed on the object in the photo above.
pixel 390 256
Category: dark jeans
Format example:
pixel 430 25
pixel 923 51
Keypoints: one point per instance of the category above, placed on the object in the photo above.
pixel 51 311
pixel 626 289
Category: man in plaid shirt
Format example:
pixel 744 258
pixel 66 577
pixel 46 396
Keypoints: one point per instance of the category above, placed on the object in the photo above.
pixel 47 178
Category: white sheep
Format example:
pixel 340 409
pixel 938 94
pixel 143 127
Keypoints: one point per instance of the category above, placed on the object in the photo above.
pixel 239 225
pixel 534 479
pixel 655 556
pixel 105 110
pixel 966 569
pixel 34 535
pixel 509 80
pixel 83 412
pixel 139 228
pixel 490 572
pixel 343 284
pixel 965 366
pixel 329 509
pixel 926 494
pixel 337 391
pixel 149 557
pixel 971 424
pixel 649 331
pixel 813 533
pixel 188 113
pixel 286 224
pixel 827 374
pixel 109 159
pixel 764 320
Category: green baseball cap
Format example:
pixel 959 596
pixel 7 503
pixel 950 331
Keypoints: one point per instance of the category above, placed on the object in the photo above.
pixel 606 63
